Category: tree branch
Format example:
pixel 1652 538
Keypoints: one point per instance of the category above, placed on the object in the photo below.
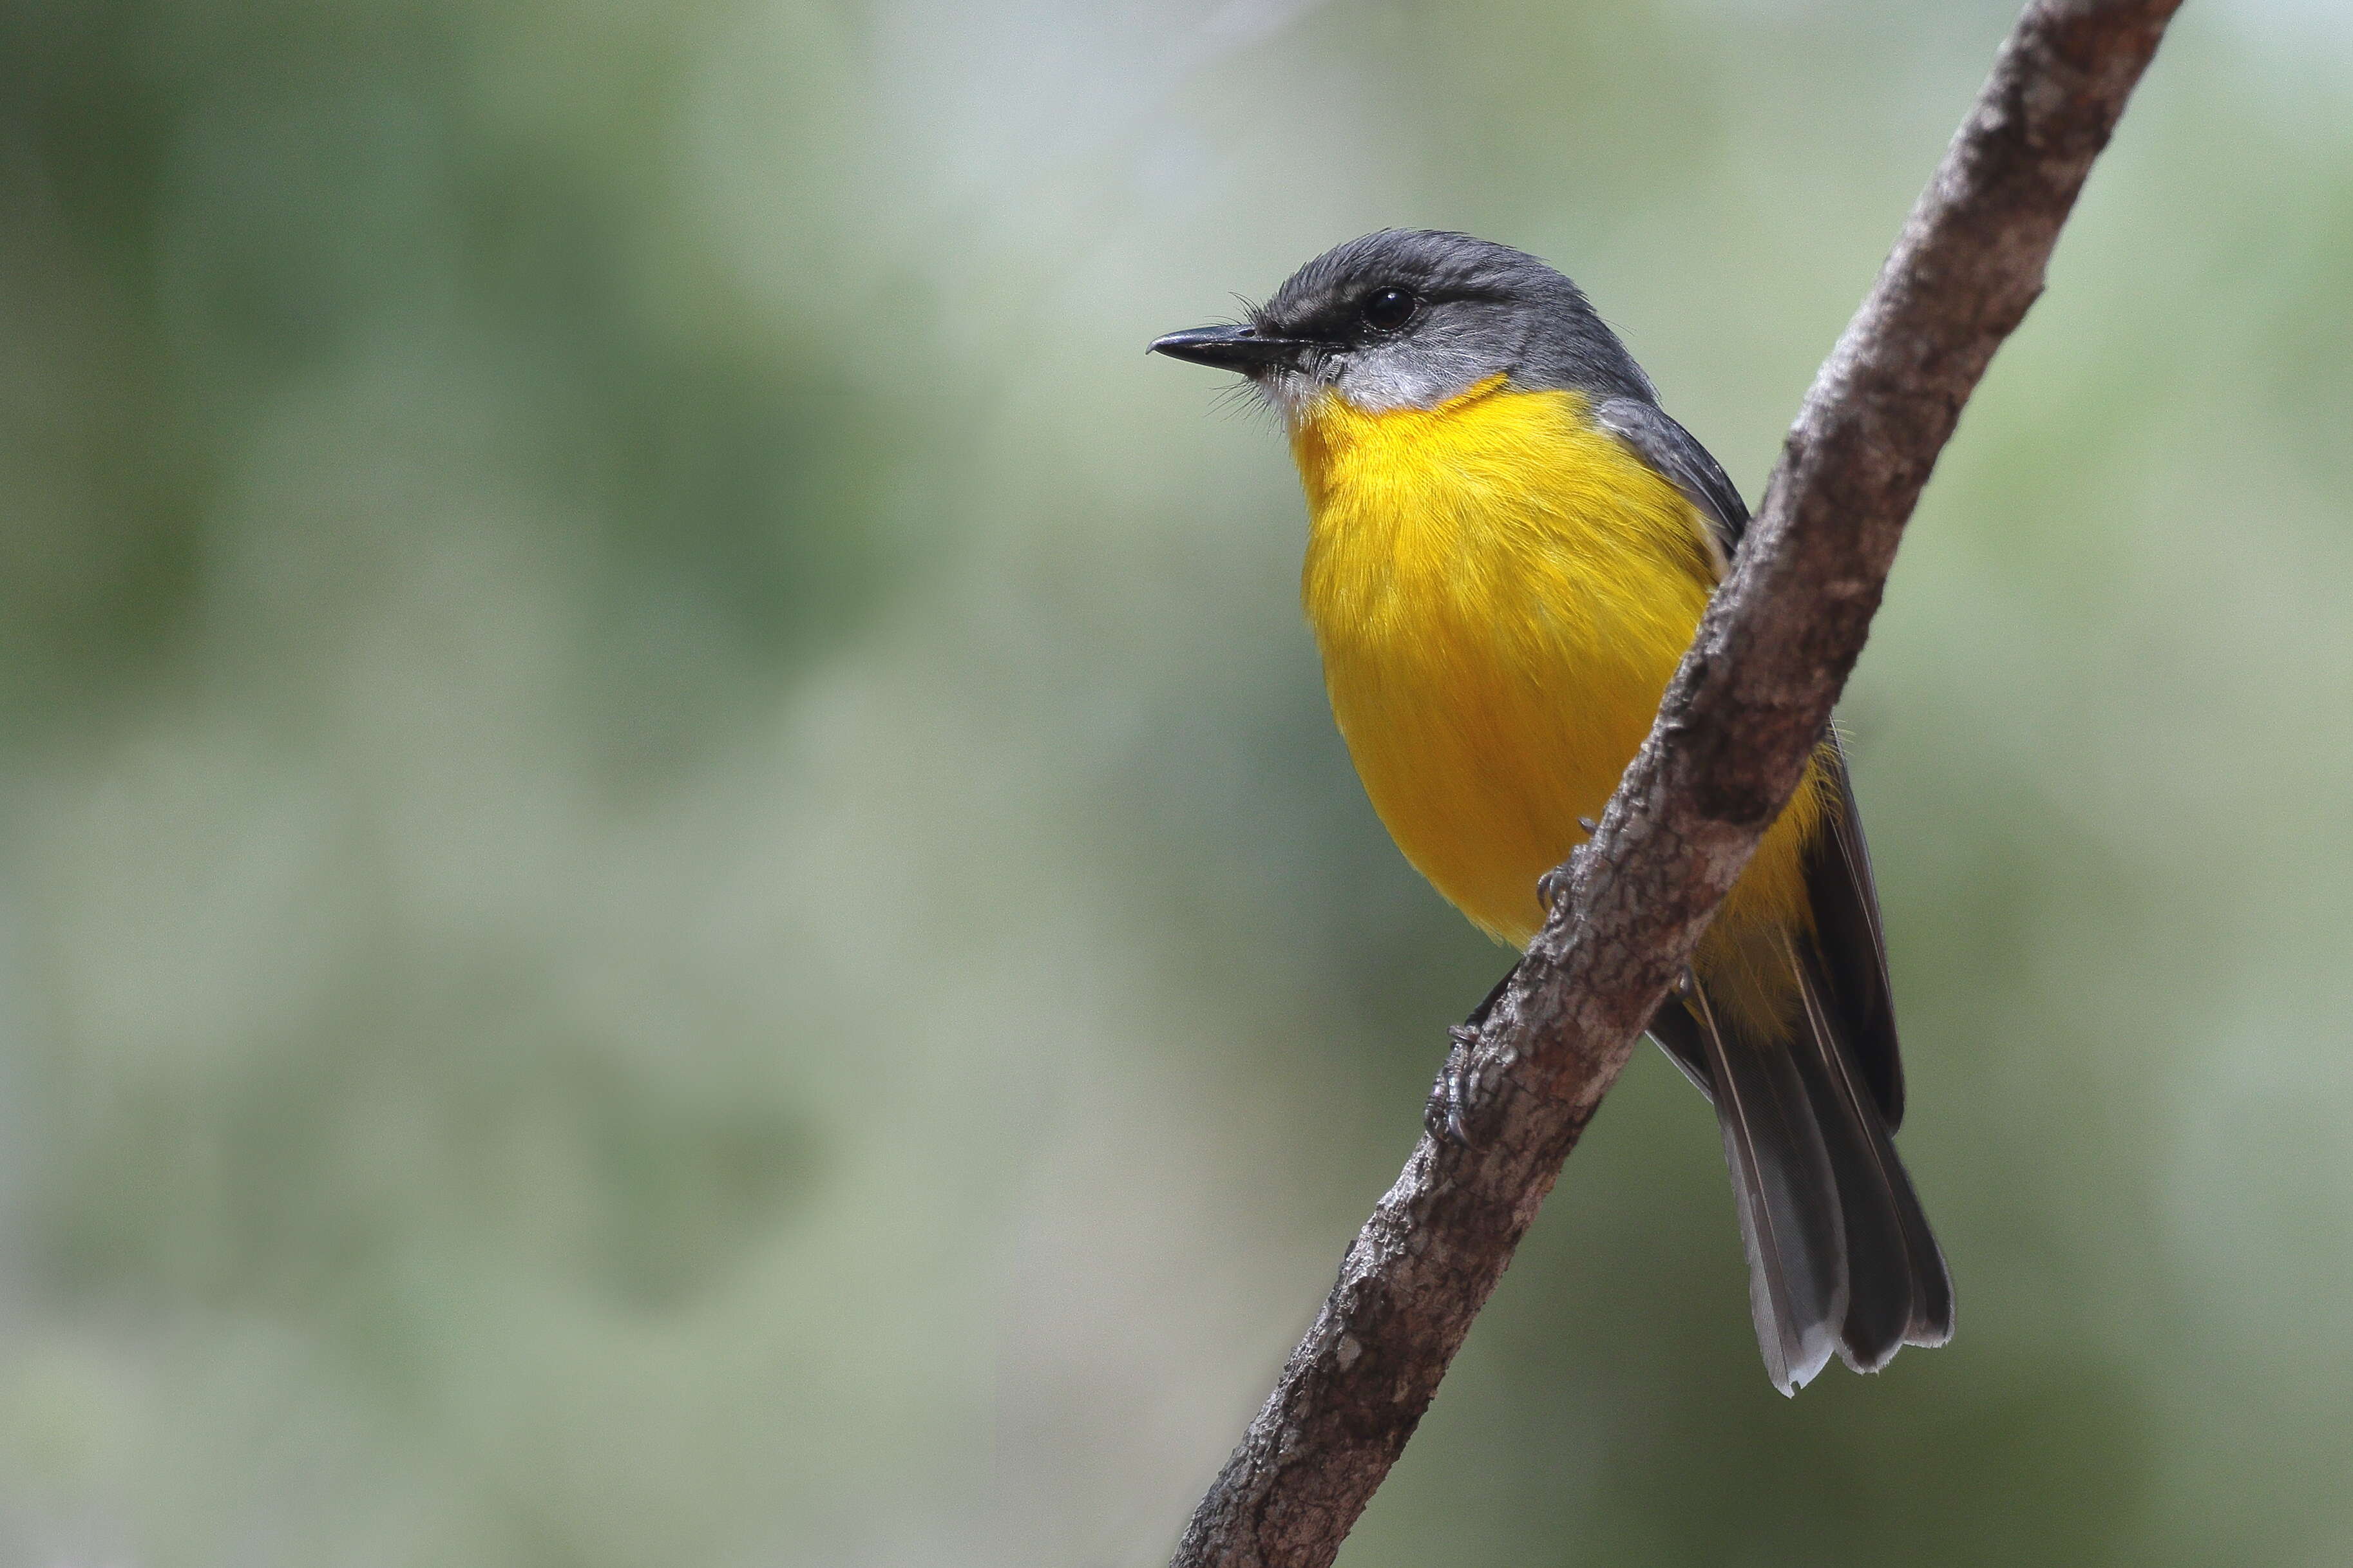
pixel 1731 742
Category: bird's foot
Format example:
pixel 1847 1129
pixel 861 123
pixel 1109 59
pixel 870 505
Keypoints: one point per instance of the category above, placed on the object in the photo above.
pixel 1445 1117
pixel 1549 887
pixel 1555 882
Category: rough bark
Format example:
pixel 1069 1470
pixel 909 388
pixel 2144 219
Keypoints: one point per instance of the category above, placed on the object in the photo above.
pixel 1730 744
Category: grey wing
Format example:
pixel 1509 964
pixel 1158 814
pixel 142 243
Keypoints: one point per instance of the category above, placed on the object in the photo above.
pixel 1838 864
pixel 1675 452
pixel 1849 939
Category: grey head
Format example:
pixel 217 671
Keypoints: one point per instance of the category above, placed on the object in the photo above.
pixel 1410 318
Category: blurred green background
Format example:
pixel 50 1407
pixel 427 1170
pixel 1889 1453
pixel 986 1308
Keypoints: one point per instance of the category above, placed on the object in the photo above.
pixel 674 887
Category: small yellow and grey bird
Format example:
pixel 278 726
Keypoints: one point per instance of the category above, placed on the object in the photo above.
pixel 1510 544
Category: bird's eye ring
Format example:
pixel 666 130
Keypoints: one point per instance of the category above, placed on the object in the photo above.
pixel 1387 309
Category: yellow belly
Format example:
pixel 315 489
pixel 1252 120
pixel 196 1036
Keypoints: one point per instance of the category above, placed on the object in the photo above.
pixel 1502 592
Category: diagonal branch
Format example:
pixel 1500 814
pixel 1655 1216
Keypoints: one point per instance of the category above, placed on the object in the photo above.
pixel 1730 744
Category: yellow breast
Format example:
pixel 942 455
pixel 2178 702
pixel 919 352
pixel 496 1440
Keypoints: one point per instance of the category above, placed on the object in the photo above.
pixel 1502 591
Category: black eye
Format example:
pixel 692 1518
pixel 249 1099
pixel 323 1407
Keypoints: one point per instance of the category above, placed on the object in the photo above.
pixel 1388 309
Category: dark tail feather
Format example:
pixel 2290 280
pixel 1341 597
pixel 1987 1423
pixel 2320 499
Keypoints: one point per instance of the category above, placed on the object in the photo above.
pixel 1899 1292
pixel 1785 1190
pixel 1841 1258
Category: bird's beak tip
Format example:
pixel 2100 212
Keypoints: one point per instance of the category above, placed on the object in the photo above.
pixel 1225 348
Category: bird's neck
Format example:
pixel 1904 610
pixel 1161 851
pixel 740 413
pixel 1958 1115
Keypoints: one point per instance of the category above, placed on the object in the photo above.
pixel 1491 496
pixel 1340 447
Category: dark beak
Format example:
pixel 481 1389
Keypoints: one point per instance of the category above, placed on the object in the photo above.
pixel 1229 348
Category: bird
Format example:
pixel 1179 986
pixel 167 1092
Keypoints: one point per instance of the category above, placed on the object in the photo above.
pixel 1510 544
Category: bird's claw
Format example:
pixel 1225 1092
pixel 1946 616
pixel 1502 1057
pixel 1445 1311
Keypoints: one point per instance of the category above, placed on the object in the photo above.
pixel 1548 887
pixel 1450 1098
